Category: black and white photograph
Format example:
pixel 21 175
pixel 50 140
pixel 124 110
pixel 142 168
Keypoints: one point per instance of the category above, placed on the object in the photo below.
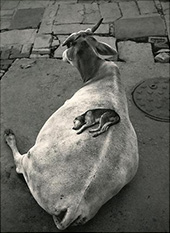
pixel 85 112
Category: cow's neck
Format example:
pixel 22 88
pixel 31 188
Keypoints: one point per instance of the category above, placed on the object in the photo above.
pixel 88 66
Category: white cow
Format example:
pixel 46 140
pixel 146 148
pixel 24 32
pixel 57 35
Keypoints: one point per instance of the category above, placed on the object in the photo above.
pixel 71 176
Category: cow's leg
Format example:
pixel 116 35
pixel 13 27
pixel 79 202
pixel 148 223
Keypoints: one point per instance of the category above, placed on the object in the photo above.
pixel 11 141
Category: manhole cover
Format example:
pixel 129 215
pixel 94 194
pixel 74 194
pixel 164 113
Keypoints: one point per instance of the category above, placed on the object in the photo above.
pixel 152 97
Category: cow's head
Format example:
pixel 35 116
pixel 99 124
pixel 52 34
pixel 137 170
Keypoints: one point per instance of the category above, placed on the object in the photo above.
pixel 83 49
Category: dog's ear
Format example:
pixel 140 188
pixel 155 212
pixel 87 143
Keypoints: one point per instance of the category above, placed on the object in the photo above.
pixel 101 47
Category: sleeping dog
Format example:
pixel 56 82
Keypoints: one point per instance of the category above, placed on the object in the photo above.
pixel 105 118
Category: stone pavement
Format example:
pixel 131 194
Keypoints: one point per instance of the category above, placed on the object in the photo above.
pixel 45 24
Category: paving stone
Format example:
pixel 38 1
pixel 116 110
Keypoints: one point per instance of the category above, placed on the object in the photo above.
pixel 5 23
pixel 165 6
pixel 55 43
pixel 16 51
pixel 69 13
pixel 42 41
pixel 33 4
pixel 70 28
pixel 59 51
pixel 129 9
pixel 48 18
pixel 8 5
pixel 110 12
pixel 39 56
pixel 7 13
pixel 142 26
pixel 92 13
pixel 2 72
pixel 5 52
pixel 167 21
pixel 130 51
pixel 5 64
pixel 26 49
pixel 147 7
pixel 26 36
pixel 31 18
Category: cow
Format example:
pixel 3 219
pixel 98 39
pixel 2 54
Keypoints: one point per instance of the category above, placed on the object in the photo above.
pixel 71 175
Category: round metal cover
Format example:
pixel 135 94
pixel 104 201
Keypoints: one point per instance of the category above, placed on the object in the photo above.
pixel 152 97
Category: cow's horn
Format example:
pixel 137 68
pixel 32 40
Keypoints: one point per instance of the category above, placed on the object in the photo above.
pixel 97 25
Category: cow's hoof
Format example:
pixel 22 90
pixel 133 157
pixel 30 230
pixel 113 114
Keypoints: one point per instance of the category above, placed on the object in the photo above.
pixel 9 137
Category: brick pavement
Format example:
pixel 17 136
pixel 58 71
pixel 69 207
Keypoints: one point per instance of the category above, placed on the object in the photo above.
pixel 53 20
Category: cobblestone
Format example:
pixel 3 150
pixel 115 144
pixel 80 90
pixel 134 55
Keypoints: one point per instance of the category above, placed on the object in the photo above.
pixel 69 13
pixel 92 14
pixel 70 28
pixel 48 18
pixel 142 26
pixel 129 9
pixel 147 7
pixel 130 51
pixel 110 12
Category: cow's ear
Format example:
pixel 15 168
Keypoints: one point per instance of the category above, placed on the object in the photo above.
pixel 105 49
pixel 101 47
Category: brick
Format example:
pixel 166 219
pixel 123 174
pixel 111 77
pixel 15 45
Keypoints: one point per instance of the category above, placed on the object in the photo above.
pixel 33 4
pixel 147 7
pixel 5 64
pixel 31 18
pixel 26 49
pixel 15 51
pixel 26 36
pixel 69 13
pixel 110 12
pixel 42 41
pixel 48 18
pixel 70 28
pixel 130 51
pixel 129 9
pixel 92 14
pixel 8 5
pixel 142 26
